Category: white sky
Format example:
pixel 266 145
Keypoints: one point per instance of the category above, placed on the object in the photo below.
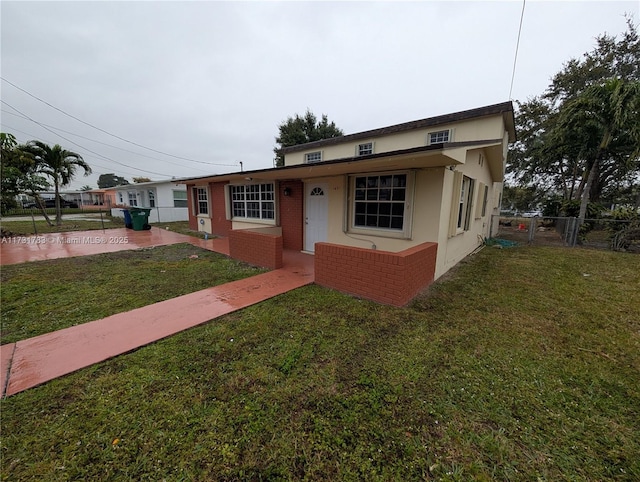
pixel 211 81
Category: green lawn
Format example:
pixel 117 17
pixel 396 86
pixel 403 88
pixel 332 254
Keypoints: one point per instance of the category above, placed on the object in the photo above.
pixel 50 295
pixel 26 228
pixel 523 364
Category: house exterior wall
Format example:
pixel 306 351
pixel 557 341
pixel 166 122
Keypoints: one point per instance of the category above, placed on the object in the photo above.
pixel 163 195
pixel 454 248
pixel 291 210
pixel 485 128
pixel 220 225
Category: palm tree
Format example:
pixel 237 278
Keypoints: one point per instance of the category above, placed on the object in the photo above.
pixel 58 164
pixel 606 115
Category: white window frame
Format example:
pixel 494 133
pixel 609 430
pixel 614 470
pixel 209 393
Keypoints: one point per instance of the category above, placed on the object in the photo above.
pixel 254 202
pixel 152 198
pixel 462 203
pixel 132 198
pixel 407 205
pixel 313 157
pixel 439 137
pixel 201 200
pixel 364 149
pixel 184 203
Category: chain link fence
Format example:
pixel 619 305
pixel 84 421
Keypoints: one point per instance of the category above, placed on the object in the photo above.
pixel 610 234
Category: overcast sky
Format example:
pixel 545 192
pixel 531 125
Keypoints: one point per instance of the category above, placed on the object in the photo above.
pixel 210 82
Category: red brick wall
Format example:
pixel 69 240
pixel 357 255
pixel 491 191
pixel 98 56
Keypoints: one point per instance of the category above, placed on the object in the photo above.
pixel 193 221
pixel 291 214
pixel 220 225
pixel 258 249
pixel 382 276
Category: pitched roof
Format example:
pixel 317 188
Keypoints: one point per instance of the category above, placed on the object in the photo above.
pixel 504 108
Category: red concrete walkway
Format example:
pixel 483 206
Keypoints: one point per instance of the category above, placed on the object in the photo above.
pixel 85 243
pixel 28 363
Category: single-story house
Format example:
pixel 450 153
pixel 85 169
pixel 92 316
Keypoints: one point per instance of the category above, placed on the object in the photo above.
pixel 385 211
pixel 167 199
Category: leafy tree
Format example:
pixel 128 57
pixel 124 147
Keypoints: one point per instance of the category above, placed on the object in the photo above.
pixel 559 131
pixel 58 164
pixel 86 187
pixel 111 180
pixel 18 173
pixel 520 198
pixel 300 130
pixel 604 123
pixel 138 180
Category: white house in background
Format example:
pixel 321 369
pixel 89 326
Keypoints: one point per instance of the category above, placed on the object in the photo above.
pixel 167 200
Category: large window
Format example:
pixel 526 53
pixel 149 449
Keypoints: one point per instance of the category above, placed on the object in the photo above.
pixel 253 201
pixel 201 198
pixel 180 199
pixel 380 203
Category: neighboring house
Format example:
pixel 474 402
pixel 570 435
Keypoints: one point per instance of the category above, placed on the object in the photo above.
pixel 105 198
pixel 384 211
pixel 167 200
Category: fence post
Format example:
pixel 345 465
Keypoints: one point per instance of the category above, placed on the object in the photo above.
pixel 532 228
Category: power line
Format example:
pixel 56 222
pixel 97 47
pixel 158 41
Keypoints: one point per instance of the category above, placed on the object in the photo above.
pixel 515 58
pixel 97 141
pixel 93 162
pixel 109 133
pixel 82 147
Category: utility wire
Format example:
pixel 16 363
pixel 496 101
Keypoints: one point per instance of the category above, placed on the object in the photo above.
pixel 106 132
pixel 95 140
pixel 80 146
pixel 29 135
pixel 515 58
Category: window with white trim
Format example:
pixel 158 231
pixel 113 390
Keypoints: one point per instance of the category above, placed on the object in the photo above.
pixel 365 149
pixel 253 201
pixel 311 157
pixel 201 198
pixel 438 137
pixel 462 202
pixel 381 203
pixel 152 198
pixel 120 198
pixel 133 198
pixel 180 199
pixel 481 202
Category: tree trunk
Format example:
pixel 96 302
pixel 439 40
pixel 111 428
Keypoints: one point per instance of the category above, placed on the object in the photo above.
pixel 42 207
pixel 58 210
pixel 584 202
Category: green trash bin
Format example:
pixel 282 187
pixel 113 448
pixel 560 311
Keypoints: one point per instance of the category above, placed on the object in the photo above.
pixel 140 218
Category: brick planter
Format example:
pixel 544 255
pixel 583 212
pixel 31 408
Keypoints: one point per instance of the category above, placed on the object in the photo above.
pixel 381 276
pixel 256 248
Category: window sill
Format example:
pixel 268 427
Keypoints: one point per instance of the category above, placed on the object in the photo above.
pixel 379 233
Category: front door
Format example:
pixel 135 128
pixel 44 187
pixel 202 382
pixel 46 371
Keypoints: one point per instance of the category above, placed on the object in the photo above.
pixel 316 215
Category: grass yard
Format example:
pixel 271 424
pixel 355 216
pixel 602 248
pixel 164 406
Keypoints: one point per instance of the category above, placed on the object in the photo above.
pixel 50 295
pixel 26 228
pixel 523 364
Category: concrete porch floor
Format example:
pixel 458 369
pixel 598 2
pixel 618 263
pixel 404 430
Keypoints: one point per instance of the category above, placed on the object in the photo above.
pixel 28 363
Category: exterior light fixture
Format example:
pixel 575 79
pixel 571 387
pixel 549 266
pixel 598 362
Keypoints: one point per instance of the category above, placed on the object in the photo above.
pixel 287 191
